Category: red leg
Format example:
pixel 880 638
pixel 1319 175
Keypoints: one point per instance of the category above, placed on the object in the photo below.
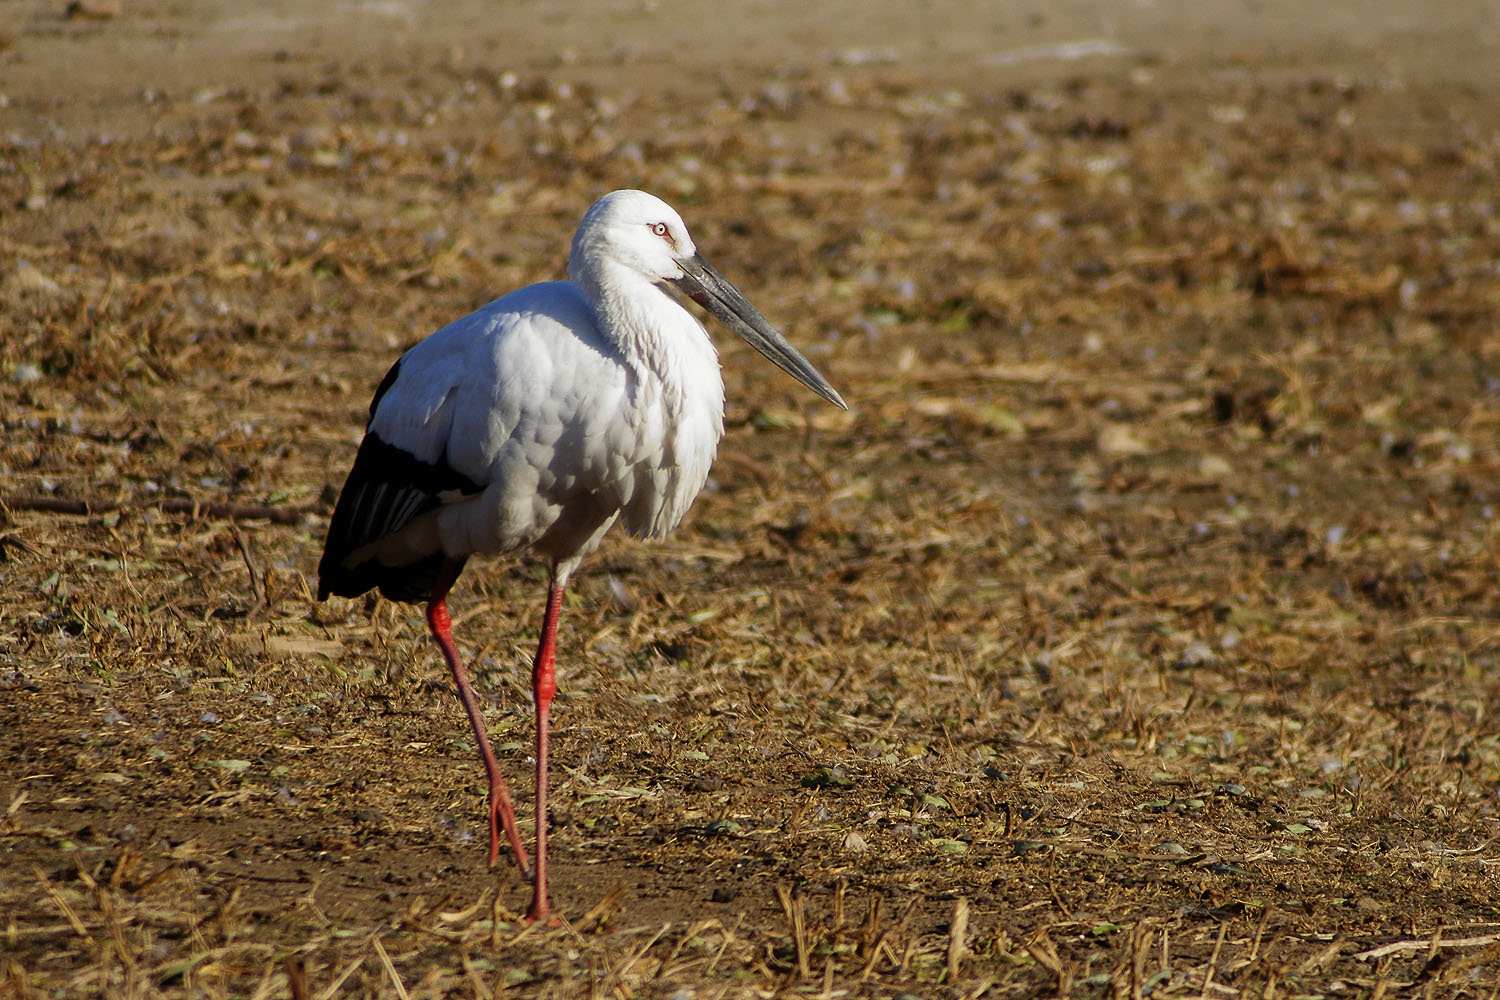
pixel 544 686
pixel 500 807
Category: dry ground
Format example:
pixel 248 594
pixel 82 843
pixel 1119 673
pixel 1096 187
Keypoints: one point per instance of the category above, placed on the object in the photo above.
pixel 1135 634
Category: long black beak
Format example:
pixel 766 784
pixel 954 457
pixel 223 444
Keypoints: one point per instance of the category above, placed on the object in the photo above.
pixel 712 291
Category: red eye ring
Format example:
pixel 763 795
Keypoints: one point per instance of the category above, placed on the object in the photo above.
pixel 659 228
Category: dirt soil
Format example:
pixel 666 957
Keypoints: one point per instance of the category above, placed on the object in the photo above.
pixel 1134 634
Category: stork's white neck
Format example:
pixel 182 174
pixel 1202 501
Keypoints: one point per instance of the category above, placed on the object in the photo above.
pixel 645 321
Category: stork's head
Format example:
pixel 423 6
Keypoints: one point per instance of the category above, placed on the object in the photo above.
pixel 644 234
pixel 637 230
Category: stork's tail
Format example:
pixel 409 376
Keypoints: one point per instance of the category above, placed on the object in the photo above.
pixel 385 491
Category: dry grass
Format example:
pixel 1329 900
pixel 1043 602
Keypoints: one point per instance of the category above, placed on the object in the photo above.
pixel 1134 635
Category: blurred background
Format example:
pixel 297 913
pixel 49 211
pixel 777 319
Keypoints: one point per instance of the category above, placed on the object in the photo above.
pixel 1134 632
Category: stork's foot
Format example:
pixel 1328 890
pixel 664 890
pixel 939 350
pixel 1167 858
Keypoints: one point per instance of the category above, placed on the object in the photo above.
pixel 497 816
pixel 544 914
pixel 527 875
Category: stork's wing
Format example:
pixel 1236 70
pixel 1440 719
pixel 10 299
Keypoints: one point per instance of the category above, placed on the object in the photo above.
pixel 386 489
pixel 522 401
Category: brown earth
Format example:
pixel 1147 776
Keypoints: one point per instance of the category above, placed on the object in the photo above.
pixel 1135 634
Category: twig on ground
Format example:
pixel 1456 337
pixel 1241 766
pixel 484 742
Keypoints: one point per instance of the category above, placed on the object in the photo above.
pixel 390 968
pixel 1399 946
pixel 172 505
pixel 958 931
pixel 796 920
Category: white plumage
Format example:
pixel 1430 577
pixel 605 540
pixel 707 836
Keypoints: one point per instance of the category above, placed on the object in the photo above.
pixel 538 422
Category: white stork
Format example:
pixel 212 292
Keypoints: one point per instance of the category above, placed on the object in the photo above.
pixel 538 422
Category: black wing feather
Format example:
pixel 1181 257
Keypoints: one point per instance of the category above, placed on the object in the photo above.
pixel 386 489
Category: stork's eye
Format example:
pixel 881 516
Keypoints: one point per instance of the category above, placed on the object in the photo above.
pixel 660 229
